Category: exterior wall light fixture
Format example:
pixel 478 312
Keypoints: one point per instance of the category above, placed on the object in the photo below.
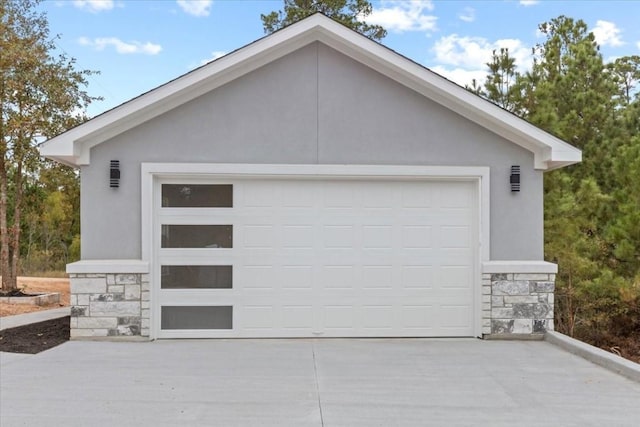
pixel 114 181
pixel 514 179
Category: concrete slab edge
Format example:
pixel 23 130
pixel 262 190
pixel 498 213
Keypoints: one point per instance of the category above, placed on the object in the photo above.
pixel 513 337
pixel 119 338
pixel 8 322
pixel 595 355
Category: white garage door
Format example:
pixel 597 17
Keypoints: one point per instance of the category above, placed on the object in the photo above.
pixel 315 258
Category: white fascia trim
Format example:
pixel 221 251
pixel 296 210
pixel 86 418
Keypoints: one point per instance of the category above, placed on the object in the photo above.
pixel 108 266
pixel 346 170
pixel 495 267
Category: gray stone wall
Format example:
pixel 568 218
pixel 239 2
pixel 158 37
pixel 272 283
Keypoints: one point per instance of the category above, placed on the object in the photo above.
pixel 517 303
pixel 104 305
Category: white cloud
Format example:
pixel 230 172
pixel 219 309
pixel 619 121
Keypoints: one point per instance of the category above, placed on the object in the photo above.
pixel 125 48
pixel 461 76
pixel 607 34
pixel 196 7
pixel 214 55
pixel 475 52
pixel 464 58
pixel 527 3
pixel 468 14
pixel 94 6
pixel 638 44
pixel 404 15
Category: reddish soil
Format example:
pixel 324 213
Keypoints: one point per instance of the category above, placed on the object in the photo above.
pixel 31 285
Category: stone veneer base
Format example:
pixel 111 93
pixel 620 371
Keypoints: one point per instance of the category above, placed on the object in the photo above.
pixel 109 299
pixel 104 305
pixel 517 299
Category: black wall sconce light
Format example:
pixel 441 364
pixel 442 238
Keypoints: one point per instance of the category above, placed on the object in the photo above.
pixel 514 179
pixel 114 181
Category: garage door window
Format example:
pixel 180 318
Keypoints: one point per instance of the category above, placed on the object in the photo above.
pixel 197 277
pixel 196 317
pixel 197 236
pixel 197 196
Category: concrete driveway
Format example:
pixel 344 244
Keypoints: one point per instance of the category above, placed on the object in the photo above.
pixel 390 382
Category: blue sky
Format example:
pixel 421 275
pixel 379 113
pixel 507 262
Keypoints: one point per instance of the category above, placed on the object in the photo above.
pixel 139 44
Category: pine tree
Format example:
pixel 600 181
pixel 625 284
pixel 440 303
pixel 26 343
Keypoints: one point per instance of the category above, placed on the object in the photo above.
pixel 350 13
pixel 500 85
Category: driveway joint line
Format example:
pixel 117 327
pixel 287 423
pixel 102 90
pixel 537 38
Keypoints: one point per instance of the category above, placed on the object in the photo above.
pixel 315 371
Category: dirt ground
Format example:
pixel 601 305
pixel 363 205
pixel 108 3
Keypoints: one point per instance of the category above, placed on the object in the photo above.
pixel 35 337
pixel 35 285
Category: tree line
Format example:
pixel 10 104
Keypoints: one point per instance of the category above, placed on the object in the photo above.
pixel 592 209
pixel 42 94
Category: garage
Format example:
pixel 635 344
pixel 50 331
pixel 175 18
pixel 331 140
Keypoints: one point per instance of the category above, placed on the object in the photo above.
pixel 315 256
pixel 310 184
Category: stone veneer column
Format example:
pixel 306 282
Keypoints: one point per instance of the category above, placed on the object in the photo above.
pixel 109 298
pixel 517 298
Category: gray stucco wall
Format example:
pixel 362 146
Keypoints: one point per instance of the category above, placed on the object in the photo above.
pixel 312 106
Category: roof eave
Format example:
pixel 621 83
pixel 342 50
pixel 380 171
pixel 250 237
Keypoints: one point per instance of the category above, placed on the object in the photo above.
pixel 73 147
pixel 560 161
pixel 176 92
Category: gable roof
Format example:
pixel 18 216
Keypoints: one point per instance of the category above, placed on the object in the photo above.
pixel 73 146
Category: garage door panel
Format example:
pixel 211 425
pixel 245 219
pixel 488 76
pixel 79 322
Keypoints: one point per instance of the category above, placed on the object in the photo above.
pixel 262 277
pixel 338 236
pixel 378 276
pixel 257 317
pixel 342 195
pixel 454 237
pixel 455 276
pixel 417 237
pixel 295 196
pixel 416 195
pixel 377 196
pixel 454 316
pixel 378 237
pixel 451 196
pixel 338 317
pixel 421 317
pixel 337 276
pixel 298 236
pixel 257 194
pixel 417 276
pixel 297 276
pixel 378 316
pixel 297 317
pixel 339 258
pixel 259 236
